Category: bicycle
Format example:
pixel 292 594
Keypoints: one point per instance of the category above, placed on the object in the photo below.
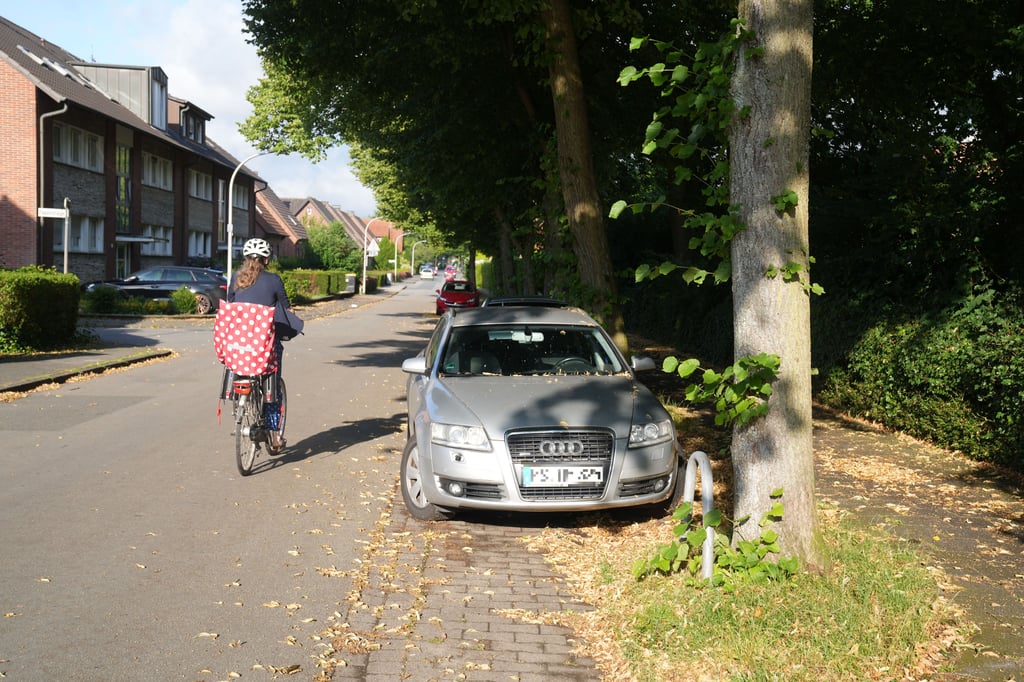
pixel 249 395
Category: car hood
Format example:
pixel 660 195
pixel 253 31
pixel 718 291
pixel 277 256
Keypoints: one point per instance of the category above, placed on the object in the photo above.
pixel 503 403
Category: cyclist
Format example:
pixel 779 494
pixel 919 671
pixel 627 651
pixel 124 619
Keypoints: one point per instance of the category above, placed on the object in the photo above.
pixel 252 283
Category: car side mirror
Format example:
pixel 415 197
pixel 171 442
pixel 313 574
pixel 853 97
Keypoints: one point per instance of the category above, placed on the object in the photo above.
pixel 642 363
pixel 416 365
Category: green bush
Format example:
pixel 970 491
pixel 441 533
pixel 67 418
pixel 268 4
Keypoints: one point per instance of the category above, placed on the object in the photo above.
pixel 184 301
pixel 38 307
pixel 137 305
pixel 955 377
pixel 102 301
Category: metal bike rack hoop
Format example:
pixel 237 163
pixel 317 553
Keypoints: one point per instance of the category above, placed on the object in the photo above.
pixel 699 460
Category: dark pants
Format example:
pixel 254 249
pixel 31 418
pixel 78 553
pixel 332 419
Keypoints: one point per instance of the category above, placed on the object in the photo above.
pixel 272 410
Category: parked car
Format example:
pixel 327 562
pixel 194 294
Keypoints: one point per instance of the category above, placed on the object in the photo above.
pixel 532 409
pixel 450 273
pixel 427 271
pixel 209 286
pixel 542 301
pixel 457 293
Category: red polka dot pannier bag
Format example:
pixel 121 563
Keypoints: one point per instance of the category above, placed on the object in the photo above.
pixel 243 337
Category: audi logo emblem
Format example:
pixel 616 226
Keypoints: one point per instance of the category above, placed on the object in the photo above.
pixel 561 447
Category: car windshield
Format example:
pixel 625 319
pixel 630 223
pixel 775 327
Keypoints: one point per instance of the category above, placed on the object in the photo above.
pixel 529 350
pixel 465 287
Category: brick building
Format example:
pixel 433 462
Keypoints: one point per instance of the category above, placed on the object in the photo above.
pixel 143 183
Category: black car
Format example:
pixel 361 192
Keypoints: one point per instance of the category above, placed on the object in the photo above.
pixel 209 286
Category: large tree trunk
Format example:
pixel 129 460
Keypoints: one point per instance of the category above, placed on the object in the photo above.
pixel 507 254
pixel 576 171
pixel 769 155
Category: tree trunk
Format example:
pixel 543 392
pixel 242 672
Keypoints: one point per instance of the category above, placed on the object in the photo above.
pixel 769 155
pixel 507 254
pixel 576 171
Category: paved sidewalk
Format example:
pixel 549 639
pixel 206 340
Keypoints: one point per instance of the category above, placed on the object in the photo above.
pixel 436 602
pixel 24 374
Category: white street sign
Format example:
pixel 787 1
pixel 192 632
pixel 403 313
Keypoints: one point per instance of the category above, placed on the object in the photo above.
pixel 61 213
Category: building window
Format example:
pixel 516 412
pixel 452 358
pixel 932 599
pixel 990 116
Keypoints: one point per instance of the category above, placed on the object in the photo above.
pixel 161 244
pixel 123 189
pixel 76 147
pixel 221 231
pixel 194 128
pixel 241 197
pixel 85 234
pixel 199 244
pixel 200 185
pixel 158 102
pixel 157 171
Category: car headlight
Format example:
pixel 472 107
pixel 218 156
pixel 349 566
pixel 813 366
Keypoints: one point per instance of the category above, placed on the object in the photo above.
pixel 650 433
pixel 459 436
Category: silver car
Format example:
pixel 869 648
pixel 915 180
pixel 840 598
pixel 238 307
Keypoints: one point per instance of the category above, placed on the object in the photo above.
pixel 532 409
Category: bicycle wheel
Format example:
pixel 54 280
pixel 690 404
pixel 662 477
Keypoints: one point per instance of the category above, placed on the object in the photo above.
pixel 247 419
pixel 282 397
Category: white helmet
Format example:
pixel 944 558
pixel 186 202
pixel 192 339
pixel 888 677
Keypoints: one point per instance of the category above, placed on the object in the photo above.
pixel 256 247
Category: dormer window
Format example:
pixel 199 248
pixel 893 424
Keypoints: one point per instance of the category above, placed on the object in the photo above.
pixel 194 128
pixel 158 99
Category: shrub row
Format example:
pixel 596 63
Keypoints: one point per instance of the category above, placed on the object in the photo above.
pixel 306 285
pixel 38 307
pixel 955 377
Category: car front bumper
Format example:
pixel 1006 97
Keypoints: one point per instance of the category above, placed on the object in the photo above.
pixel 555 475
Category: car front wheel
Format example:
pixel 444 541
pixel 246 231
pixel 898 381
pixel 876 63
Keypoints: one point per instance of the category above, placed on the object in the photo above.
pixel 412 486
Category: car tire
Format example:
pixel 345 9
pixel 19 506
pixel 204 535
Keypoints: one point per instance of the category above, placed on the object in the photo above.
pixel 412 487
pixel 203 304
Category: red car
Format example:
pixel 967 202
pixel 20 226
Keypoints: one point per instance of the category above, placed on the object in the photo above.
pixel 457 293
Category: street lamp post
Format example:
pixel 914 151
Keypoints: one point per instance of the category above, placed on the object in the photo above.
pixel 412 268
pixel 366 230
pixel 403 237
pixel 231 204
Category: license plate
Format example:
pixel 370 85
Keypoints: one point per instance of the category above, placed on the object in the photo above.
pixel 562 476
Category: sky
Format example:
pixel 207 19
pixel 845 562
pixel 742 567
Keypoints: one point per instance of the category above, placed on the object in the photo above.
pixel 201 46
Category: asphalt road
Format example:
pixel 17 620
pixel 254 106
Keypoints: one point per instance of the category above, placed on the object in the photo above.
pixel 132 549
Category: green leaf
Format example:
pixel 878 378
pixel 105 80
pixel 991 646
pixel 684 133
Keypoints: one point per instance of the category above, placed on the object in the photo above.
pixel 713 519
pixel 669 364
pixel 628 75
pixel 696 537
pixel 688 367
pixel 617 208
pixel 683 511
pixel 642 272
pixel 777 493
pixel 654 130
pixel 785 201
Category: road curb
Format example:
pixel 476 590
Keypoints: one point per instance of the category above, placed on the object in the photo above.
pixel 63 375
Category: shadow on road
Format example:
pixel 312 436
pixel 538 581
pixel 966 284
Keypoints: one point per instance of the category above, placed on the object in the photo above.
pixel 335 440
